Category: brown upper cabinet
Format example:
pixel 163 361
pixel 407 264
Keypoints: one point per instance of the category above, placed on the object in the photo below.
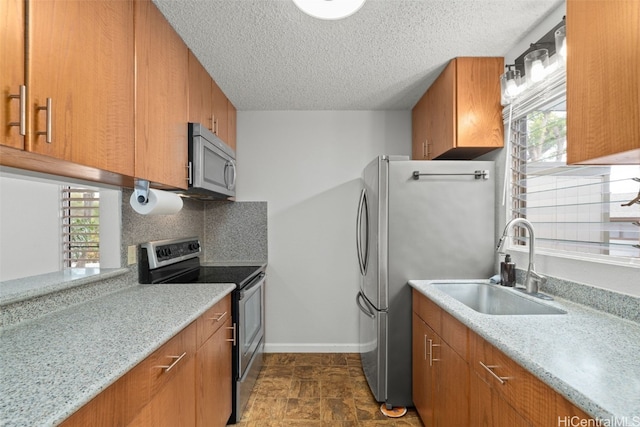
pixel 79 91
pixel 200 94
pixel 208 105
pixel 220 114
pixel 161 99
pixel 231 123
pixel 12 72
pixel 460 116
pixel 603 82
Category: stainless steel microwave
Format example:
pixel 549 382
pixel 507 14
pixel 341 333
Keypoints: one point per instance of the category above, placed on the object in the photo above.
pixel 211 167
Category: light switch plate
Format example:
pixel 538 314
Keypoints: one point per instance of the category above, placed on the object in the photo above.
pixel 132 256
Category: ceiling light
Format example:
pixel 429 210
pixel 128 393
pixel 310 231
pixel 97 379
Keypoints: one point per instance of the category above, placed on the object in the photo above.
pixel 535 64
pixel 329 9
pixel 510 84
pixel 561 42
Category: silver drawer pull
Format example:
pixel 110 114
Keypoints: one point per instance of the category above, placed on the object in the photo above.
pixel 167 368
pixel 218 317
pixel 490 368
pixel 233 340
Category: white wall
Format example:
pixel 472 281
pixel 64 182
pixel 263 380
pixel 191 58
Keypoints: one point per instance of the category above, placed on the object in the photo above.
pixel 307 166
pixel 29 228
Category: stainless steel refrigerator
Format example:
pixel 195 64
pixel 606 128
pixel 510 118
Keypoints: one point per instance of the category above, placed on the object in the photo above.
pixel 416 220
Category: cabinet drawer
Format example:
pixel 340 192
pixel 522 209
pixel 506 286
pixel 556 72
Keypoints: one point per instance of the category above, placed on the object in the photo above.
pixel 124 399
pixel 168 360
pixel 213 319
pixel 455 334
pixel 533 399
pixel 428 311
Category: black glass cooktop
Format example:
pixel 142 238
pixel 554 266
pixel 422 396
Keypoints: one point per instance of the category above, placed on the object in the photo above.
pixel 240 275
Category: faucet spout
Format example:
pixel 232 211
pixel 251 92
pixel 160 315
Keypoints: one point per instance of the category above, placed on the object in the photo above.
pixel 532 279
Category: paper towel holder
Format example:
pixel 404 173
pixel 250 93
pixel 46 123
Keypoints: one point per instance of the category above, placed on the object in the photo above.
pixel 141 187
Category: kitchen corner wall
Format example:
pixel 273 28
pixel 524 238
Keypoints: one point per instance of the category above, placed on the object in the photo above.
pixel 307 165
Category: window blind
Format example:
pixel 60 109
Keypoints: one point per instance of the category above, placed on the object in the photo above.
pixel 80 227
pixel 575 209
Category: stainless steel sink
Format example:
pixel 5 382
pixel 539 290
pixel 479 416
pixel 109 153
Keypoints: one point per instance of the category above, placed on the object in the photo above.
pixel 492 299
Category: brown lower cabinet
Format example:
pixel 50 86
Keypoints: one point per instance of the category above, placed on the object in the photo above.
pixel 461 379
pixel 186 382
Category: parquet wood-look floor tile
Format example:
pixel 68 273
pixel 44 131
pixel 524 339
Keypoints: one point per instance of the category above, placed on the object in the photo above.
pixel 316 390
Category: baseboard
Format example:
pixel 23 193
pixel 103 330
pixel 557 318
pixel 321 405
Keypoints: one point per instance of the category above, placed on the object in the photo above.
pixel 310 348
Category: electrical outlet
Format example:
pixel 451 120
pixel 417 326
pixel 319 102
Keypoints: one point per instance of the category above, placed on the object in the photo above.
pixel 132 255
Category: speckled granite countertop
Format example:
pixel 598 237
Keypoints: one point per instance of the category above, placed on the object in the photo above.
pixel 53 365
pixel 590 357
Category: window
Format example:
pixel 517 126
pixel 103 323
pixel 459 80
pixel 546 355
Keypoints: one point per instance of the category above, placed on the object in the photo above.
pixel 574 209
pixel 80 227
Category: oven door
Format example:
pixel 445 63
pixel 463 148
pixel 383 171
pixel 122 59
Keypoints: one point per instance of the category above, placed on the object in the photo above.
pixel 251 321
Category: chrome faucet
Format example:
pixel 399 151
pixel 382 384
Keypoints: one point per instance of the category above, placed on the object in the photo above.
pixel 532 280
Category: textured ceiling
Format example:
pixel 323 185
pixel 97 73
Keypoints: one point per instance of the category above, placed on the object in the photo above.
pixel 268 55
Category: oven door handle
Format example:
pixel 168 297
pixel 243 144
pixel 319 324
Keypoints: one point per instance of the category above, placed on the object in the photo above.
pixel 251 287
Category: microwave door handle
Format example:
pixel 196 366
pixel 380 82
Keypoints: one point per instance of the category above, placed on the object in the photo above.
pixel 229 183
pixel 234 175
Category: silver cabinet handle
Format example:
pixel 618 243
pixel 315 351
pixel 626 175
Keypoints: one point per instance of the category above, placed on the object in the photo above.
pixel 431 359
pixel 49 121
pixel 22 96
pixel 425 346
pixel 189 173
pixel 490 368
pixel 233 328
pixel 167 368
pixel 219 317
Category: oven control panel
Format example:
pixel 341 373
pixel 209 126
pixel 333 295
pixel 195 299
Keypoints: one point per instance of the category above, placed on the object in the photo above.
pixel 165 252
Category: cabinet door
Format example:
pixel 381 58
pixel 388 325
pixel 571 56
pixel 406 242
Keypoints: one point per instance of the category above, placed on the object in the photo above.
pixel 419 123
pixel 213 379
pixel 423 387
pixel 231 124
pixel 452 396
pixel 488 409
pixel 441 112
pixel 174 404
pixel 81 58
pixel 161 99
pixel 478 109
pixel 200 99
pixel 220 114
pixel 603 84
pixel 12 20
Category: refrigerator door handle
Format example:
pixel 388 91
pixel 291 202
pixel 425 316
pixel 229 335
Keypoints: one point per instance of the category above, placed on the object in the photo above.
pixel 362 257
pixel 362 308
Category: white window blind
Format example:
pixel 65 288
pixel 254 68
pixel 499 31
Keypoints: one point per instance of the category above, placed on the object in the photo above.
pixel 575 209
pixel 80 227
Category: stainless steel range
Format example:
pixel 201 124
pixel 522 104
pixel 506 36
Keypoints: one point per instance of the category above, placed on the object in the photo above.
pixel 178 261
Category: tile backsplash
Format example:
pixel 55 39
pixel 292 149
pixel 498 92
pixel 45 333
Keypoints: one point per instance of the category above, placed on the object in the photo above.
pixel 228 231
